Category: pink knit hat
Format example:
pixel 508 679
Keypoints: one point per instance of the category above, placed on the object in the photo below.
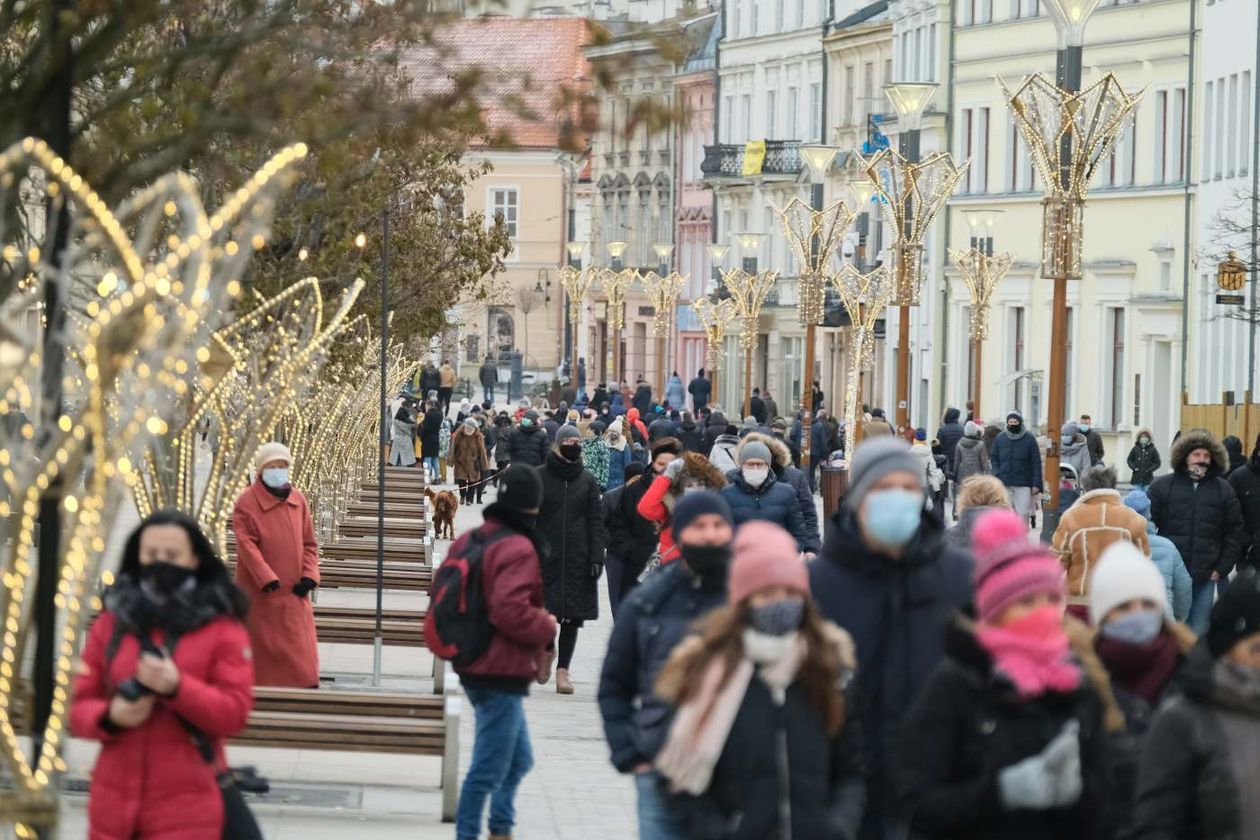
pixel 1008 566
pixel 764 555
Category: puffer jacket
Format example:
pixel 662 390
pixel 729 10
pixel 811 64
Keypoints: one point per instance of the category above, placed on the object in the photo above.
pixel 1187 787
pixel 970 458
pixel 714 429
pixel 1016 460
pixel 526 445
pixel 949 434
pixel 572 523
pixel 1246 484
pixel 794 476
pixel 1143 461
pixel 651 621
pixel 691 435
pixel 675 394
pixel 1205 523
pixel 1234 449
pixel 959 535
pixel 969 723
pixel 722 453
pixel 774 501
pixel 933 477
pixel 1177 584
pixel 1076 455
pixel 1088 528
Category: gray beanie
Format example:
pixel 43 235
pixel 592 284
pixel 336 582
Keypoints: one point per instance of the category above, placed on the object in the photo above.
pixel 566 432
pixel 754 449
pixel 875 458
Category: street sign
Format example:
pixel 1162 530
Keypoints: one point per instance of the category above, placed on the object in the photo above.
pixel 1231 300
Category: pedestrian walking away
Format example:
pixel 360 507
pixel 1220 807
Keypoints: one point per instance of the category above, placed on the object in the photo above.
pixel 571 521
pixel 277 566
pixel 166 677
pixel 620 534
pixel 760 745
pixel 521 634
pixel 431 441
pixel 1234 449
pixel 675 394
pixel 402 451
pixel 488 375
pixel 700 389
pixel 1178 588
pixel 653 619
pixel 446 386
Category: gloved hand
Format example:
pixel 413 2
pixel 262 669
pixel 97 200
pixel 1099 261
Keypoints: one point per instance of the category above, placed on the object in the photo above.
pixel 597 568
pixel 272 587
pixel 1045 780
pixel 674 468
pixel 304 587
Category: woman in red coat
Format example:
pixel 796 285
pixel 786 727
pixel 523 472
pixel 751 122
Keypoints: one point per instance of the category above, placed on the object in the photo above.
pixel 151 782
pixel 277 566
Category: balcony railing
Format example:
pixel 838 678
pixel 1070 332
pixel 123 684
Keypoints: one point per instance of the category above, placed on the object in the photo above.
pixel 726 160
pixel 783 157
pixel 723 161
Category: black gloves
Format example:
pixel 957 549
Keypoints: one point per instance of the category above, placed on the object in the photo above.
pixel 304 587
pixel 271 587
pixel 597 569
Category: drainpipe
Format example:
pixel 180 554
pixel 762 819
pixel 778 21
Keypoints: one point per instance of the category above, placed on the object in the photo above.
pixel 1188 152
pixel 826 29
pixel 949 217
pixel 717 115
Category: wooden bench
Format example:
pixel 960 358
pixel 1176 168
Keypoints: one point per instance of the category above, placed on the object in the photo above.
pixel 361 574
pixel 360 721
pixel 402 551
pixel 361 526
pixel 357 626
pixel 393 509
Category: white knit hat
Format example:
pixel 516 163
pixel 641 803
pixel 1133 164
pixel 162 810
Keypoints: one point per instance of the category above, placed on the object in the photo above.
pixel 1122 574
pixel 271 452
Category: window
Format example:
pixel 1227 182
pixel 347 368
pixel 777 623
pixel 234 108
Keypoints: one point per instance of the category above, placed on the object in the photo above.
pixel 1017 353
pixel 888 74
pixel 1207 132
pixel 1170 113
pixel 869 103
pixel 1115 366
pixel 815 111
pixel 1019 169
pixel 965 142
pixel 975 145
pixel 504 202
pixel 778 15
pixel 793 118
pixel 931 52
pixel 916 69
pixel 736 28
pixel 1220 129
pixel 772 114
pixel 1231 153
pixel 745 103
pixel 1137 399
pixel 728 118
pixel 849 71
pixel 756 19
pixel 1244 125
pixel 1118 169
pixel 800 14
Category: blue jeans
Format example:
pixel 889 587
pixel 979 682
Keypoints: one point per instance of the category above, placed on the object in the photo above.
pixel 1202 597
pixel 435 473
pixel 656 821
pixel 488 393
pixel 501 757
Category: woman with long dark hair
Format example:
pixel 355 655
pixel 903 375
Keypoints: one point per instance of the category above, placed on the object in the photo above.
pixel 166 678
pixel 760 745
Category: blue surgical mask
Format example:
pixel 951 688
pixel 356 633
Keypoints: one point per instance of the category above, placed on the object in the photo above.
pixel 1084 427
pixel 778 618
pixel 892 517
pixel 275 477
pixel 1136 628
pixel 526 422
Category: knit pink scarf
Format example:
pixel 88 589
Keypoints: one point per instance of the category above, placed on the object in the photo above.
pixel 1033 652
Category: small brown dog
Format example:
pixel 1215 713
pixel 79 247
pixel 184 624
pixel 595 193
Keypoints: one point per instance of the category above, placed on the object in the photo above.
pixel 445 504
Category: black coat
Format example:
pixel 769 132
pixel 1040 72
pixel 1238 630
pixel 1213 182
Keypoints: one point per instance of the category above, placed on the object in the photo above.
pixel 1187 789
pixel 896 611
pixel 967 725
pixel 430 380
pixel 1246 484
pixel 700 389
pixel 1143 461
pixel 715 428
pixel 652 620
pixel 757 407
pixel 571 522
pixel 692 437
pixel 430 429
pixel 488 374
pixel 822 775
pixel 640 534
pixel 643 400
pixel 1205 524
pixel 1094 441
pixel 524 445
pixel 950 432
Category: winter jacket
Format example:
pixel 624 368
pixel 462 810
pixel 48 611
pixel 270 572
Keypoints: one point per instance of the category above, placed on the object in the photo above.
pixel 1076 455
pixel 714 429
pixel 1095 443
pixel 675 396
pixel 430 380
pixel 959 535
pixel 150 780
pixel 662 427
pixel 511 581
pixel 468 455
pixel 1234 449
pixel 772 407
pixel 570 521
pixel 1097 519
pixel 774 501
pixel 820 443
pixel 1186 785
pixel 1143 461
pixel 722 453
pixel 796 478
pixel 431 434
pixel 1204 522
pixel 757 408
pixel 446 376
pixel 949 434
pixel 967 725
pixel 595 451
pixel 692 436
pixel 642 536
pixel 503 430
pixel 402 451
pixel 780 773
pixel 488 374
pixel 526 445
pixel 618 531
pixel 700 389
pixel 618 460
pixel 1016 460
pixel 896 611
pixel 971 457
pixel 933 477
pixel 1177 583
pixel 550 426
pixel 275 541
pixel 636 430
pixel 1246 484
pixel 617 407
pixel 657 504
pixel 652 619
pixel 643 399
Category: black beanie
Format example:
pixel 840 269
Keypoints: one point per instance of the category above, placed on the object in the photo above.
pixel 520 488
pixel 696 503
pixel 1236 614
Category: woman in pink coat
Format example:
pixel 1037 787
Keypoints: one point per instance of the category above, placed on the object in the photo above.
pixel 277 566
pixel 169 653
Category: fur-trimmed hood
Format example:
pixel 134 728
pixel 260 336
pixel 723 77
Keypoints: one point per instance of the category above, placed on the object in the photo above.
pixel 778 449
pixel 696 472
pixel 1199 439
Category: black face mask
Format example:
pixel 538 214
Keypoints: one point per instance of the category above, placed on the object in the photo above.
pixel 705 560
pixel 165 578
pixel 1015 428
pixel 571 451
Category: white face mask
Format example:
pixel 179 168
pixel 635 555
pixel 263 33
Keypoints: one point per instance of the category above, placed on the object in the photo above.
pixel 756 476
pixel 275 477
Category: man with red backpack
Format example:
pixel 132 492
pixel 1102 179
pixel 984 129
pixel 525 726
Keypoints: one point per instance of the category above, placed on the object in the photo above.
pixel 488 619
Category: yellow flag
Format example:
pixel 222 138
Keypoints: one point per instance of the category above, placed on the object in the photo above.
pixel 754 156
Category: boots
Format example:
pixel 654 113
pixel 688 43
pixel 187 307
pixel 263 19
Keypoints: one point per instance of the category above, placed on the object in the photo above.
pixel 564 685
pixel 544 665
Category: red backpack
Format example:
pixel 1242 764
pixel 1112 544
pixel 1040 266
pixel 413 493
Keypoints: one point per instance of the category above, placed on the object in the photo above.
pixel 457 624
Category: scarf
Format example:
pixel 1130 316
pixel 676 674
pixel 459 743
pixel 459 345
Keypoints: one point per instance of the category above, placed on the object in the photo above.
pixel 1033 653
pixel 1236 698
pixel 616 440
pixel 702 724
pixel 1143 670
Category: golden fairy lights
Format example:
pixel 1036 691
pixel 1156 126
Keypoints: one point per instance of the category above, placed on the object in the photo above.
pixel 663 293
pixel 143 285
pixel 748 293
pixel 864 297
pixel 813 236
pixel 614 284
pixel 981 274
pixel 715 318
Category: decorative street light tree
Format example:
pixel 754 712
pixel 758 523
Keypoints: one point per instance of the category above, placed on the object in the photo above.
pixel 663 293
pixel 1069 133
pixel 717 255
pixel 813 235
pixel 749 249
pixel 982 271
pixel 614 284
pixel 663 252
pixel 715 317
pixel 748 291
pixel 864 296
pixel 576 284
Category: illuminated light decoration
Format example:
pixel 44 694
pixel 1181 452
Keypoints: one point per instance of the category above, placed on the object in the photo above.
pixel 981 274
pixel 1089 122
pixel 715 318
pixel 663 293
pixel 864 297
pixel 813 236
pixel 576 283
pixel 614 285
pixel 911 194
pixel 748 292
pixel 142 285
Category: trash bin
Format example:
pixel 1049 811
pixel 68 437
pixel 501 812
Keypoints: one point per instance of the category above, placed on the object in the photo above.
pixel 835 480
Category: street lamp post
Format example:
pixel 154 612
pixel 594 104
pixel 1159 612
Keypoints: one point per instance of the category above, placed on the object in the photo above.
pixel 909 99
pixel 616 292
pixel 715 316
pixel 982 271
pixel 663 250
pixel 663 291
pixel 749 249
pixel 748 291
pixel 576 283
pixel 574 325
pixel 717 256
pixel 864 297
